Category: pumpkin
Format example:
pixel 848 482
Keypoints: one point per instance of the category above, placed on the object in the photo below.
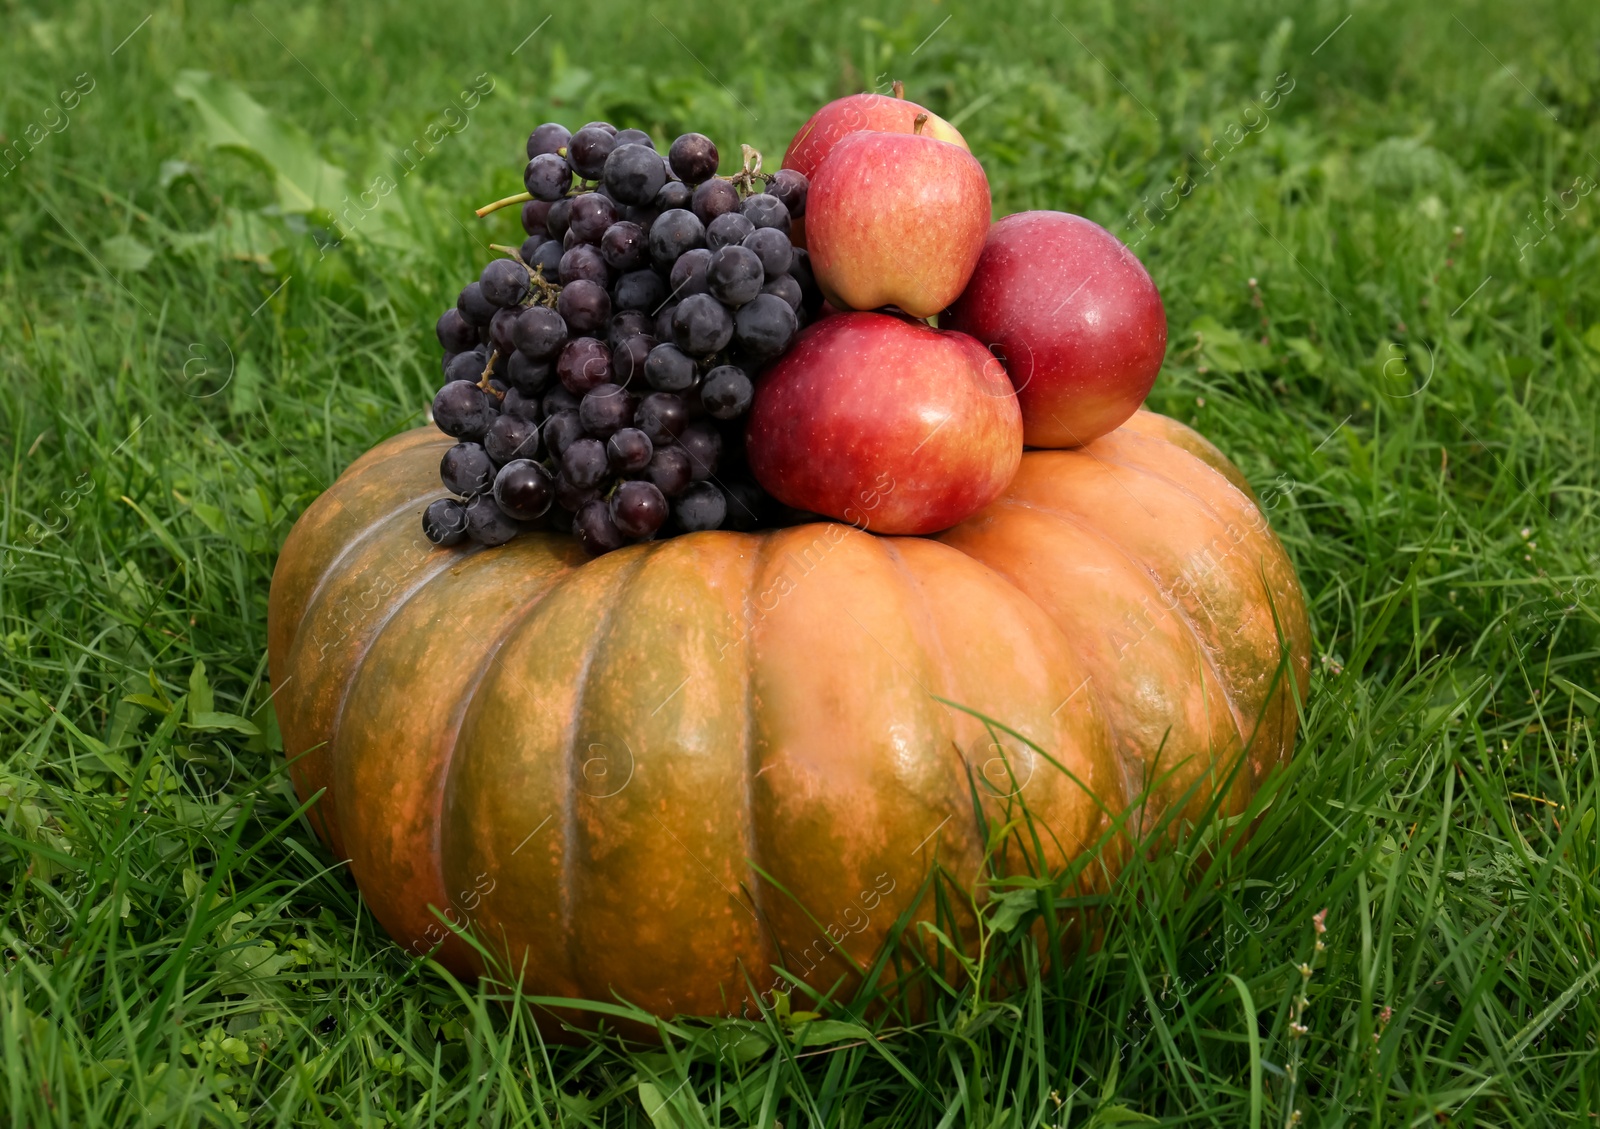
pixel 661 772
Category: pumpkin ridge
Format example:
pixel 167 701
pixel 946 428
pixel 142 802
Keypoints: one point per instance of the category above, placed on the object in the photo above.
pixel 757 861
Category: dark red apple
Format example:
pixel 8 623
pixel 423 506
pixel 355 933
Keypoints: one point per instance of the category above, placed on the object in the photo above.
pixel 896 219
pixel 885 423
pixel 1074 316
pixel 844 116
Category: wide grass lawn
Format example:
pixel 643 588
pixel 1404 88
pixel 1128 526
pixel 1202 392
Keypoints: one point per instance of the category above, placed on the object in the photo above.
pixel 1382 280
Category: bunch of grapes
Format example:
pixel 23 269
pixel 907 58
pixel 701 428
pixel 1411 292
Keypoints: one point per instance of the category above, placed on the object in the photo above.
pixel 597 377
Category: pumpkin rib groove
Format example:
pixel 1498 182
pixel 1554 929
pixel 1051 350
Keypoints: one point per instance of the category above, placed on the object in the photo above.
pixel 758 860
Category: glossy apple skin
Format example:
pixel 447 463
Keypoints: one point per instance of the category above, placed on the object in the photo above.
pixel 894 219
pixel 877 113
pixel 1075 317
pixel 888 424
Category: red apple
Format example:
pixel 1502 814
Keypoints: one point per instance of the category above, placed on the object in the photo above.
pixel 885 423
pixel 1074 316
pixel 873 112
pixel 896 219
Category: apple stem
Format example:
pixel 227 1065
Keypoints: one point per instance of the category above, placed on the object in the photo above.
pixel 918 122
pixel 519 198
pixel 899 89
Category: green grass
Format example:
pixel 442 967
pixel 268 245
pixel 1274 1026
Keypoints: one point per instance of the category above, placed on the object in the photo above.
pixel 1409 381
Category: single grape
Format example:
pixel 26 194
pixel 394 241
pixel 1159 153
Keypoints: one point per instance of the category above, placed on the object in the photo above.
pixel 584 363
pixel 634 137
pixel 573 498
pixel 466 469
pixel 524 490
pixel 635 173
pixel 585 306
pixel 673 194
pixel 669 369
pixel 462 409
pixel 727 229
pixel 539 333
pixel 810 293
pixel 595 530
pixel 533 217
pixel 455 333
pixel 467 366
pixel 474 306
pixel 625 246
pixel 674 233
pixel 773 248
pixel 510 437
pixel 785 286
pixel 591 214
pixel 500 327
pixel 547 177
pixel 504 282
pixel 764 328
pixel 588 150
pixel 640 290
pixel 444 522
pixel 688 275
pixel 662 416
pixel 629 450
pixel 790 186
pixel 701 325
pixel 626 324
pixel 726 392
pixel 669 469
pixel 487 525
pixel 526 376
pixel 559 399
pixel 607 126
pixel 583 463
pixel 638 508
pixel 702 506
pixel 734 276
pixel 765 210
pixel 555 220
pixel 693 157
pixel 714 198
pixel 629 358
pixel 664 315
pixel 702 442
pixel 584 261
pixel 547 138
pixel 560 430
pixel 606 409
pixel 522 405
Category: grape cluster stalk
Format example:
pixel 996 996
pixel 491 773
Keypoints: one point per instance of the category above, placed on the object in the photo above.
pixel 597 376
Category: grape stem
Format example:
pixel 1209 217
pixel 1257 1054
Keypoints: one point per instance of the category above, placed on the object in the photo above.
pixel 519 198
pixel 745 179
pixel 548 291
pixel 483 381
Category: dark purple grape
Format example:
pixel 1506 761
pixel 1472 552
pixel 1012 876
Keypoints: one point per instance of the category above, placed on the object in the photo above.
pixel 526 376
pixel 462 409
pixel 785 286
pixel 645 217
pixel 628 359
pixel 555 220
pixel 466 469
pixel 810 293
pixel 702 442
pixel 701 325
pixel 455 333
pixel 664 317
pixel 662 416
pixel 688 275
pixel 764 327
pixel 583 463
pixel 584 364
pixel 500 327
pixel 790 187
pixel 605 410
pixel 595 530
pixel 727 392
pixel 639 290
pixel 504 282
pixel 728 229
pixel 539 333
pixel 559 399
pixel 591 214
pixel 734 276
pixel 466 366
pixel 573 498
pixel 693 157
pixel 524 490
pixel 497 393
pixel 629 450
pixel 548 138
pixel 547 177
pixel 673 194
pixel 626 324
pixel 702 506
pixel 766 210
pixel 669 469
pixel 584 261
pixel 669 369
pixel 714 198
pixel 674 233
pixel 444 522
pixel 510 437
pixel 638 508
pixel 544 258
pixel 560 430
pixel 607 126
pixel 487 525
pixel 522 405
pixel 635 173
pixel 588 150
pixel 634 137
pixel 773 248
pixel 474 306
pixel 585 306
pixel 625 246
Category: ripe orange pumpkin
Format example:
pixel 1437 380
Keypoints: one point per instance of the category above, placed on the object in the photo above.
pixel 593 762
